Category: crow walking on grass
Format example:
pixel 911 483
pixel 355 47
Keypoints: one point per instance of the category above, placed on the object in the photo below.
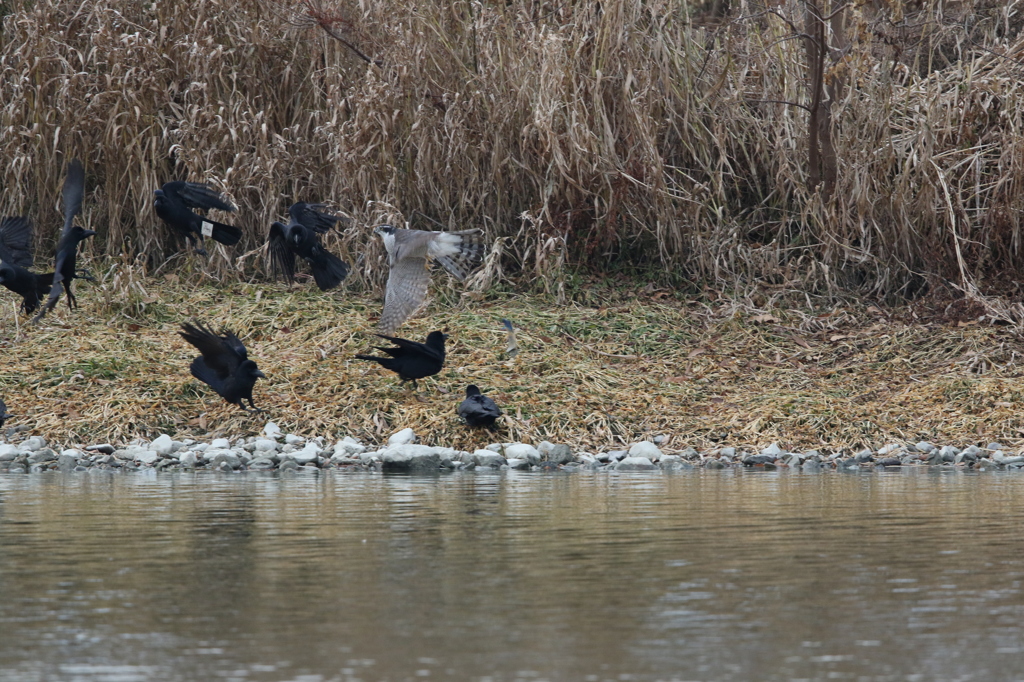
pixel 16 258
pixel 412 360
pixel 299 238
pixel 70 237
pixel 224 364
pixel 173 203
pixel 477 409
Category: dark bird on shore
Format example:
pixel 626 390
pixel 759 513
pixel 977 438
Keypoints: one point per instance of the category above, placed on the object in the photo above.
pixel 477 409
pixel 224 364
pixel 16 258
pixel 409 253
pixel 299 238
pixel 173 201
pixel 4 415
pixel 70 237
pixel 412 360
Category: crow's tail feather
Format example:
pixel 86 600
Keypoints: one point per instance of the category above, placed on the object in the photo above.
pixel 328 270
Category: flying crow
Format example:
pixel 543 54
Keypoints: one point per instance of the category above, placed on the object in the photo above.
pixel 408 277
pixel 70 237
pixel 477 409
pixel 173 202
pixel 412 360
pixel 224 365
pixel 15 258
pixel 299 238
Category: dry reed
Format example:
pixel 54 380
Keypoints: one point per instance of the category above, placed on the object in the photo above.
pixel 603 134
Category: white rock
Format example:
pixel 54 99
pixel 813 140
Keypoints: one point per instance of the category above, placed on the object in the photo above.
pixel 32 444
pixel 292 439
pixel 521 451
pixel 372 456
pixel 8 452
pixel 411 457
pixel 220 443
pixel 772 449
pixel 162 444
pixel 486 458
pixel 307 454
pixel 188 459
pixel 586 458
pixel 632 463
pixel 265 445
pixel 645 449
pixel 199 447
pixel 147 457
pixel 72 452
pixel 348 446
pixel 515 463
pixel 497 447
pixel 210 453
pixel 271 430
pixel 545 447
pixel 403 437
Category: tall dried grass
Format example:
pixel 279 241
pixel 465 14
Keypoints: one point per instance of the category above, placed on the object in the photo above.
pixel 595 133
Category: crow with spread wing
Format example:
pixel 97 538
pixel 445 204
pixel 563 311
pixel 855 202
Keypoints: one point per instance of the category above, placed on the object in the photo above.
pixel 412 360
pixel 173 203
pixel 224 364
pixel 16 258
pixel 300 238
pixel 70 237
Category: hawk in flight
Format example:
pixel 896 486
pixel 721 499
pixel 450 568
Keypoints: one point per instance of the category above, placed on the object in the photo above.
pixel 409 253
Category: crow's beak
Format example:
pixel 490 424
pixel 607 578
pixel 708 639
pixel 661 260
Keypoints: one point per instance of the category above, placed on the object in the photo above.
pixel 89 233
pixel 260 374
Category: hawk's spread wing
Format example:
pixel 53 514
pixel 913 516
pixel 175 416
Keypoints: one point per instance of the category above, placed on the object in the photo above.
pixel 407 289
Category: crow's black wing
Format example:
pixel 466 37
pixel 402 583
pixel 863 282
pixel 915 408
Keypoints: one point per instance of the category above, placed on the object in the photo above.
pixel 74 189
pixel 312 216
pixel 218 354
pixel 235 344
pixel 16 241
pixel 411 346
pixel 198 195
pixel 281 256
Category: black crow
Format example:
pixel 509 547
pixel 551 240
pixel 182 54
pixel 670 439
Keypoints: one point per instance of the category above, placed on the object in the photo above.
pixel 70 237
pixel 477 409
pixel 412 360
pixel 173 202
pixel 15 258
pixel 224 365
pixel 299 238
pixel 4 416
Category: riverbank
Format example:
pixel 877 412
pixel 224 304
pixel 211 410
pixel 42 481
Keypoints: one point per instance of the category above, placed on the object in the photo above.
pixel 620 366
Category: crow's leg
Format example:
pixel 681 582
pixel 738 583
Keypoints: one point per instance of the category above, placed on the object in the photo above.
pixel 72 303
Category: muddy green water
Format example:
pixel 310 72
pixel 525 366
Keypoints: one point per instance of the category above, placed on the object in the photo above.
pixel 695 576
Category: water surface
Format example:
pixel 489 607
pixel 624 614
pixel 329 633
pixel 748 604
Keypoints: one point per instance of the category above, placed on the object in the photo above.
pixel 732 575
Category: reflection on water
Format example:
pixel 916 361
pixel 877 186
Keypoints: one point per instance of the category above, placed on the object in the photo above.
pixel 699 576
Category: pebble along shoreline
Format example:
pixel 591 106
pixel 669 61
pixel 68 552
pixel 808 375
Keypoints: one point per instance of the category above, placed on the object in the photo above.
pixel 274 451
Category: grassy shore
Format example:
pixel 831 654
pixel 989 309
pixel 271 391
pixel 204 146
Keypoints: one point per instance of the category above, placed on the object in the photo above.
pixel 622 363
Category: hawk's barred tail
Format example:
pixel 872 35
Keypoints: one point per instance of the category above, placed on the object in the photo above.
pixel 461 252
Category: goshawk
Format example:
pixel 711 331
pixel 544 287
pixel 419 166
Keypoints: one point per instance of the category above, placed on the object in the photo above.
pixel 409 253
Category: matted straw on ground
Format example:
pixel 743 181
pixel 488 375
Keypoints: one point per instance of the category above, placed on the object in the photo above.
pixel 639 364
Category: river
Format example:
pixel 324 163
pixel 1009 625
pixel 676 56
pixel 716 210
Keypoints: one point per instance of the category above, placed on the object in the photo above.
pixel 703 575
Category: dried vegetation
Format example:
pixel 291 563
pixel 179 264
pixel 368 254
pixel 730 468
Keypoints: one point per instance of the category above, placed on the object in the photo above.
pixel 622 364
pixel 600 133
pixel 584 137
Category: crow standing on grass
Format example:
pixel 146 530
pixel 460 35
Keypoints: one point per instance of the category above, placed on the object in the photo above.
pixel 70 237
pixel 412 360
pixel 173 202
pixel 477 409
pixel 224 364
pixel 299 238
pixel 4 416
pixel 15 258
